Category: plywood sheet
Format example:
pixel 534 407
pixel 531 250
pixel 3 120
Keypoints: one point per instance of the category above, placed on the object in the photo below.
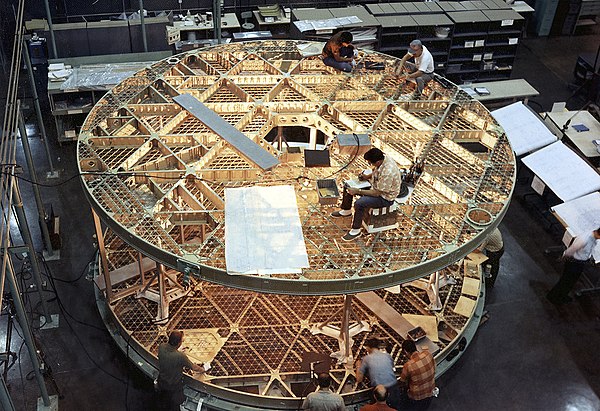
pixel 465 306
pixel 470 286
pixel 477 258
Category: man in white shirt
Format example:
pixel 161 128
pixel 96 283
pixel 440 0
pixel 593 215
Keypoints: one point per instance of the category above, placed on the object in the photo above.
pixel 422 69
pixel 578 253
pixel 493 247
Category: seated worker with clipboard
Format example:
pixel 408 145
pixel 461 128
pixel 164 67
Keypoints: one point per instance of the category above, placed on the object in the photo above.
pixel 385 179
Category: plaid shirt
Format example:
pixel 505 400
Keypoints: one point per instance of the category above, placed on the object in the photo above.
pixel 419 373
pixel 387 179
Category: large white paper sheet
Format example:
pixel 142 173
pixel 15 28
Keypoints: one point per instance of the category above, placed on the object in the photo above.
pixel 263 233
pixel 582 215
pixel 525 131
pixel 563 171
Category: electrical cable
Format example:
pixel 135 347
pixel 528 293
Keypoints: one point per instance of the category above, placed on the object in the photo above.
pixel 67 315
pixel 127 373
pixel 60 303
pixel 351 160
pixel 150 175
pixel 21 371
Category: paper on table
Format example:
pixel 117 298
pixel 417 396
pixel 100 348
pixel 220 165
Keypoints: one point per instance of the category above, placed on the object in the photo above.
pixel 482 91
pixel 525 131
pixel 427 322
pixel 356 183
pixel 470 286
pixel 464 306
pixel 582 215
pixel 563 171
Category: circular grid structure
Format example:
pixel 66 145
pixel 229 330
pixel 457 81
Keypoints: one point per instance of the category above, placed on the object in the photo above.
pixel 256 342
pixel 157 175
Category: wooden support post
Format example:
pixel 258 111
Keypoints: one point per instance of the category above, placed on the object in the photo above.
pixel 312 142
pixel 103 259
pixel 163 305
pixel 345 328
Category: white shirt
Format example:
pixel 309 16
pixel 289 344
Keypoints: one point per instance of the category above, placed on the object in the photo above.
pixel 493 242
pixel 425 61
pixel 582 247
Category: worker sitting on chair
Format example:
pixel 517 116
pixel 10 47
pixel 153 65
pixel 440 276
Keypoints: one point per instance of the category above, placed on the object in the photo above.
pixel 385 180
pixel 421 70
pixel 339 53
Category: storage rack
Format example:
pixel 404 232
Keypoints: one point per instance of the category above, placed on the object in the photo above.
pixel 481 42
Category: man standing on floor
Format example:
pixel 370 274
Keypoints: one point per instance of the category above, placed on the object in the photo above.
pixel 421 70
pixel 385 180
pixel 493 248
pixel 171 363
pixel 323 399
pixel 380 395
pixel 575 256
pixel 379 366
pixel 418 373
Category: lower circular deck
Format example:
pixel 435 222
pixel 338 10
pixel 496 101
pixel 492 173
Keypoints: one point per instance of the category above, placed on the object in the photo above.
pixel 257 343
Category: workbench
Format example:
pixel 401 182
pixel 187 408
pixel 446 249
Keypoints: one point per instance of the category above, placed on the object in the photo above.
pixel 502 90
pixel 73 98
pixel 200 30
pixel 582 140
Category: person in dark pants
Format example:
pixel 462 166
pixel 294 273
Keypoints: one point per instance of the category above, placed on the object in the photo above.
pixel 338 52
pixel 379 366
pixel 493 248
pixel 171 363
pixel 418 374
pixel 575 257
pixel 386 181
pixel 422 69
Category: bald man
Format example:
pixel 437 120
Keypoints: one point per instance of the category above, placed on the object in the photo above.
pixel 380 396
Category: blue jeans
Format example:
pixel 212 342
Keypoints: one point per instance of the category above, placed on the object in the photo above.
pixel 361 205
pixel 340 65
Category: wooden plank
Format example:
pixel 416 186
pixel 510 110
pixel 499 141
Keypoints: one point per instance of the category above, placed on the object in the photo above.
pixel 394 319
pixel 126 272
pixel 385 312
pixel 238 140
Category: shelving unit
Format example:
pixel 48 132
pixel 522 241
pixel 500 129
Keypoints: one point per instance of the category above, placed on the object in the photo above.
pixel 365 33
pixel 504 35
pixel 437 46
pixel 482 36
pixel 396 33
pixel 69 108
pixel 581 13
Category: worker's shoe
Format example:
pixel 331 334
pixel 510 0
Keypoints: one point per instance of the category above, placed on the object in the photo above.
pixel 341 213
pixel 416 95
pixel 351 237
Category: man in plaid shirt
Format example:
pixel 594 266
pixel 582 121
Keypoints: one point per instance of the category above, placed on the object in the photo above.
pixel 418 373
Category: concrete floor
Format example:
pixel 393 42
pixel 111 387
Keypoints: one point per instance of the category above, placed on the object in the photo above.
pixel 530 355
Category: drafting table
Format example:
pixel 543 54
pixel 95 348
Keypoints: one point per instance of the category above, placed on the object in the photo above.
pixel 525 131
pixel 502 90
pixel 580 139
pixel 563 171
